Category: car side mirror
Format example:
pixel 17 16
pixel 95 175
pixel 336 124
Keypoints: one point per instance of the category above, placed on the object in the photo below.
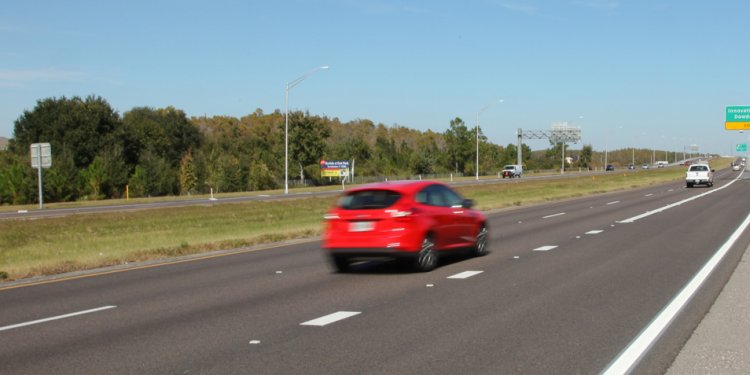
pixel 467 203
pixel 713 170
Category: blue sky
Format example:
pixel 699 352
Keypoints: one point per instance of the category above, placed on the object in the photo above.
pixel 651 74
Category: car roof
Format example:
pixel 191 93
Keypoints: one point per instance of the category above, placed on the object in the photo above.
pixel 403 186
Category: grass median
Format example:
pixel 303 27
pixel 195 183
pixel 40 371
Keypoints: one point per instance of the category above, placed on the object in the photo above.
pixel 32 247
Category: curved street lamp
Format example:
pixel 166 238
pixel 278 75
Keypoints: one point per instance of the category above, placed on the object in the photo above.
pixel 289 86
pixel 476 167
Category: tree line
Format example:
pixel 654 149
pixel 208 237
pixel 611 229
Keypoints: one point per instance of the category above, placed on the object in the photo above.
pixel 98 153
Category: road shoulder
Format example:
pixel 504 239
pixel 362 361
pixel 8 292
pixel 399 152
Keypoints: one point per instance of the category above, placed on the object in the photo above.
pixel 720 343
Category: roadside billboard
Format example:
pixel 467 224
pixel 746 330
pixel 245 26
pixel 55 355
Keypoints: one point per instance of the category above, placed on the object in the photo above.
pixel 334 168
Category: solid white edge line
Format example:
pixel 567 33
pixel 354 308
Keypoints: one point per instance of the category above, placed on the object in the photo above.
pixel 643 342
pixel 330 318
pixel 6 328
pixel 656 211
pixel 464 275
pixel 553 215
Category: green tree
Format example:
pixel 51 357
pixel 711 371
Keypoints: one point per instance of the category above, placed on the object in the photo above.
pixel 137 185
pixel 166 132
pixel 260 177
pixel 510 155
pixel 116 171
pixel 490 158
pixel 17 180
pixel 95 176
pixel 214 169
pixel 62 180
pixel 458 141
pixel 80 127
pixel 231 174
pixel 307 140
pixel 188 177
pixel 155 177
pixel 587 153
pixel 385 155
pixel 421 162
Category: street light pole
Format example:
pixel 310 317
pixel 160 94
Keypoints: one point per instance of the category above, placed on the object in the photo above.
pixel 289 86
pixel 476 166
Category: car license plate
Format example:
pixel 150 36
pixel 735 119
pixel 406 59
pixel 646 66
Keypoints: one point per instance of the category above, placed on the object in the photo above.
pixel 361 226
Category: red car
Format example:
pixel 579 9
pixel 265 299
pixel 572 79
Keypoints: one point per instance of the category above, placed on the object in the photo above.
pixel 413 220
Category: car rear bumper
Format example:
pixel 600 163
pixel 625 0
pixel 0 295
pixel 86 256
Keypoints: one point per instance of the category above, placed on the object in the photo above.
pixel 371 252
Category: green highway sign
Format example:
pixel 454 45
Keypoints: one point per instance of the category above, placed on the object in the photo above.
pixel 737 117
pixel 741 147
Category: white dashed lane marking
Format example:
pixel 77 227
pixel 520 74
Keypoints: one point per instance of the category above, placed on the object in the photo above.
pixel 465 275
pixel 545 248
pixel 553 215
pixel 330 318
pixel 594 231
pixel 56 318
pixel 611 203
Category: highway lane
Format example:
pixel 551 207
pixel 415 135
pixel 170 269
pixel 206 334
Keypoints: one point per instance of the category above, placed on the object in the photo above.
pixel 59 212
pixel 571 308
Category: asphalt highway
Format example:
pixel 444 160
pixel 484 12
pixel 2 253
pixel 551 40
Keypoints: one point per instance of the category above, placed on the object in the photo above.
pixel 59 212
pixel 567 288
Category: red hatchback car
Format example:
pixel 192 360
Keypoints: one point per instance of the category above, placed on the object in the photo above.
pixel 416 220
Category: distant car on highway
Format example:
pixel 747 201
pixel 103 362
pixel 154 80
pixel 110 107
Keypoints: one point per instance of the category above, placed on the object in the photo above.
pixel 735 167
pixel 631 167
pixel 609 167
pixel 644 166
pixel 418 221
pixel 699 174
pixel 512 170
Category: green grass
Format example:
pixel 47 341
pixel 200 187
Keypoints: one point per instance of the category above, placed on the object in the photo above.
pixel 54 245
pixel 30 247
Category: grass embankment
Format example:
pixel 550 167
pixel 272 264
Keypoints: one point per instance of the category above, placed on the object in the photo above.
pixel 55 245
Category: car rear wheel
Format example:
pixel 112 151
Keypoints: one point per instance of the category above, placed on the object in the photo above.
pixel 480 248
pixel 340 264
pixel 426 259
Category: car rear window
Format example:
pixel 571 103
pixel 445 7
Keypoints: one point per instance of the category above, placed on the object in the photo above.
pixel 369 200
pixel 698 168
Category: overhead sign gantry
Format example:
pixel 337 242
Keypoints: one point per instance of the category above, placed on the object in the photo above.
pixel 561 132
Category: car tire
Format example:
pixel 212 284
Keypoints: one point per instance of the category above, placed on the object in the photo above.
pixel 480 248
pixel 689 185
pixel 340 264
pixel 426 258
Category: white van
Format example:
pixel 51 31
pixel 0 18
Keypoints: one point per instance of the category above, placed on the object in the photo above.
pixel 512 170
